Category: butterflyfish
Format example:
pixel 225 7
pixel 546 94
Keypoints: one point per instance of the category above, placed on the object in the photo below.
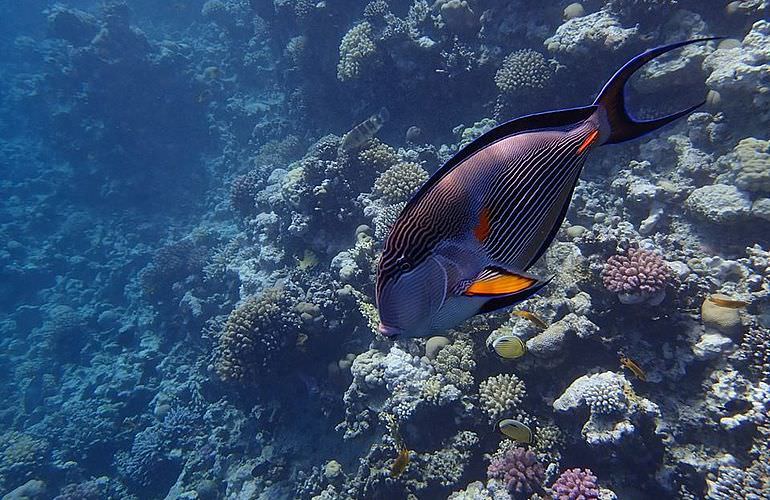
pixel 632 365
pixel 723 301
pixel 364 131
pixel 532 318
pixel 515 430
pixel 509 347
pixel 464 242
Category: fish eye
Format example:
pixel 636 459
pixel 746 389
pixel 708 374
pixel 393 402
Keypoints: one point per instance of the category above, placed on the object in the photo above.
pixel 405 266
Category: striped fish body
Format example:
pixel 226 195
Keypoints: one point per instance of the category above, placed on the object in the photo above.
pixel 463 244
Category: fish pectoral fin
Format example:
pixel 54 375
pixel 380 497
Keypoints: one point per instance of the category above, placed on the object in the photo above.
pixel 496 282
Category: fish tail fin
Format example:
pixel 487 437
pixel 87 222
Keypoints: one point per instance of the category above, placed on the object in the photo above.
pixel 622 126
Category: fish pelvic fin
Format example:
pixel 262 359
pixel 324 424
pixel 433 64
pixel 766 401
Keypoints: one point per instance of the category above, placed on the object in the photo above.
pixel 503 289
pixel 611 99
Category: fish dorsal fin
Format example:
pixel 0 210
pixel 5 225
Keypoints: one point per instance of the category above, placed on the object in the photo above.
pixel 527 123
pixel 496 282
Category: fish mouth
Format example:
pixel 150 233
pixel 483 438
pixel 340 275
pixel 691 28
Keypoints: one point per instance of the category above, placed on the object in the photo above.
pixel 389 332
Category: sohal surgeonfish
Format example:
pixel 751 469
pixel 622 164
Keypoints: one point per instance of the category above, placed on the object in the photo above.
pixel 463 243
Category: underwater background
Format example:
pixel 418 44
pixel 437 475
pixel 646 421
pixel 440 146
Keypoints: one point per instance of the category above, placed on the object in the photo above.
pixel 188 252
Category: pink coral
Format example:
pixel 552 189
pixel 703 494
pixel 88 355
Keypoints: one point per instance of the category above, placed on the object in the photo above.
pixel 575 484
pixel 638 275
pixel 518 469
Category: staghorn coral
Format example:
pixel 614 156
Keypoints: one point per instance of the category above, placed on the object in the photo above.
pixel 254 332
pixel 501 395
pixel 518 469
pixel 523 70
pixel 576 484
pixel 399 182
pixel 637 276
pixel 356 48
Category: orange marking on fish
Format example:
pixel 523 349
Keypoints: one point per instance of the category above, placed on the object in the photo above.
pixel 483 228
pixel 500 285
pixel 588 141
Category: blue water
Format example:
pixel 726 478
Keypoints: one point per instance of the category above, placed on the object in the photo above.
pixel 188 253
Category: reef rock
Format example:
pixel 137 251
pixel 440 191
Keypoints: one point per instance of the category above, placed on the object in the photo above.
pixel 615 410
pixel 581 35
pixel 719 203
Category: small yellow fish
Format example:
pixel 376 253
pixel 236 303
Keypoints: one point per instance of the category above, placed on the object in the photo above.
pixel 364 131
pixel 632 365
pixel 509 347
pixel 534 318
pixel 724 301
pixel 515 430
pixel 401 462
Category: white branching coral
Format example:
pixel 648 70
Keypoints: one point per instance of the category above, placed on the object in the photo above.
pixel 501 395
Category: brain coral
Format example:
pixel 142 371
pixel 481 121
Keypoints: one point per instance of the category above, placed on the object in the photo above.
pixel 575 484
pixel 518 469
pixel 252 335
pixel 500 395
pixel 356 47
pixel 399 182
pixel 523 70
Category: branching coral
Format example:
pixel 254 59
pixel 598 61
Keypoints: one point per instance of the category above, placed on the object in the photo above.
pixel 378 156
pixel 501 395
pixel 518 469
pixel 637 276
pixel 356 48
pixel 576 484
pixel 523 70
pixel 731 482
pixel 399 182
pixel 254 332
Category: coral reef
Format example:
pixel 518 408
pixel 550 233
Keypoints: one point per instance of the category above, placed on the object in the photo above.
pixel 523 70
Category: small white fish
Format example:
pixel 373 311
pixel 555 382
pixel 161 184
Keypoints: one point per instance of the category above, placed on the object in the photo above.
pixel 515 430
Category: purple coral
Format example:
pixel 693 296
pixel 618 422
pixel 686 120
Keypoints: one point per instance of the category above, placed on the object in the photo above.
pixel 575 484
pixel 637 276
pixel 519 469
